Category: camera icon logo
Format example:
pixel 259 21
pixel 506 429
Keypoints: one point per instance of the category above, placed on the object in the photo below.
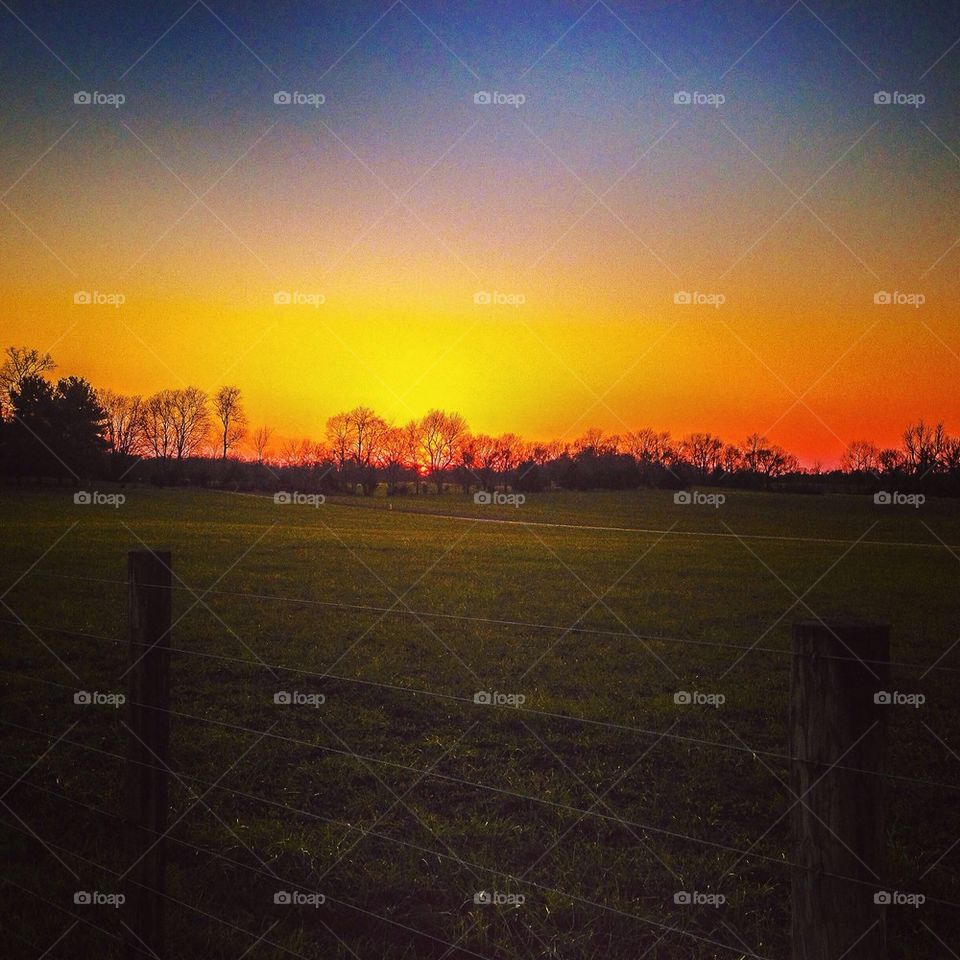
pixel 283 696
pixel 682 897
pixel 882 298
pixel 282 97
pixel 682 496
pixel 82 97
pixel 83 698
pixel 82 498
pixel 482 696
pixel 482 298
pixel 482 898
pixel 682 97
pixel 682 697
pixel 282 497
pixel 883 497
pixel 882 97
pixel 282 298
pixel 882 898
pixel 82 897
pixel 682 297
pixel 82 297
pixel 482 497
pixel 883 697
pixel 482 97
pixel 282 896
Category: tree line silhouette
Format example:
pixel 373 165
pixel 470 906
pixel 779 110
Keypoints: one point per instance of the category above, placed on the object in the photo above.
pixel 68 430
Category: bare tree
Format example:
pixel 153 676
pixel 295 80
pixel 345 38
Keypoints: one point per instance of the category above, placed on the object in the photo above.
pixel 158 424
pixel 922 445
pixel 231 418
pixel 703 451
pixel 391 457
pixel 261 440
pixel 860 456
pixel 339 436
pixel 440 436
pixel 125 422
pixel 190 421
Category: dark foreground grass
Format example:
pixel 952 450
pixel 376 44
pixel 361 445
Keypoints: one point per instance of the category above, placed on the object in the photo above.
pixel 398 806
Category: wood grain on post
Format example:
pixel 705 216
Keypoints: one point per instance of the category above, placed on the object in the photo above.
pixel 145 786
pixel 838 825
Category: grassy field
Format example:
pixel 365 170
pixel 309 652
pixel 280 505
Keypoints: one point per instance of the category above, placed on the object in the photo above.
pixel 398 806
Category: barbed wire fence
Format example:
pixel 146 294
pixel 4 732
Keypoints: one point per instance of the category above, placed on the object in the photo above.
pixel 838 787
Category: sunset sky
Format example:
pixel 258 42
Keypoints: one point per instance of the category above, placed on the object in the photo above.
pixel 398 199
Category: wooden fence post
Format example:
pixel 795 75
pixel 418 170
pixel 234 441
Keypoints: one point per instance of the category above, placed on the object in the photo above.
pixel 145 786
pixel 839 823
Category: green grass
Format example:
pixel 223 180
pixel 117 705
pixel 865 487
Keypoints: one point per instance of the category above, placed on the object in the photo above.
pixel 669 598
